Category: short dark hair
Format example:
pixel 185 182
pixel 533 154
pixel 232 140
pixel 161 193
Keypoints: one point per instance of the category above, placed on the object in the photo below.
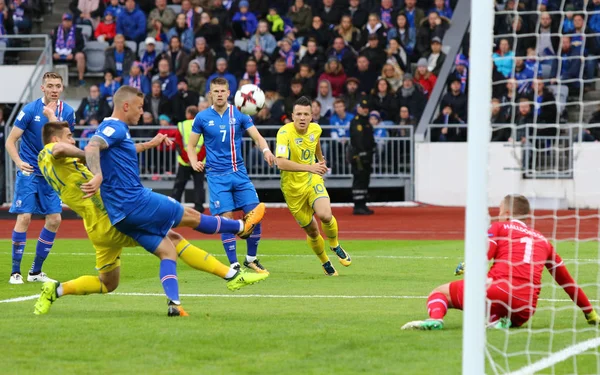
pixel 303 101
pixel 53 128
pixel 296 81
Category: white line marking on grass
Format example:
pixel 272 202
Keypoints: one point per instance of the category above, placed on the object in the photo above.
pixel 559 356
pixel 91 253
pixel 19 299
pixel 283 296
pixel 417 257
pixel 299 296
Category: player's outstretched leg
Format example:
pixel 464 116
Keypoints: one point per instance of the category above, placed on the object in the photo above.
pixel 42 249
pixel 252 261
pixel 322 207
pixel 201 260
pixel 437 306
pixel 52 290
pixel 317 245
pixel 215 224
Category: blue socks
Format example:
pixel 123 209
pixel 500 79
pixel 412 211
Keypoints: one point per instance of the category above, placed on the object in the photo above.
pixel 42 249
pixel 252 241
pixel 216 224
pixel 229 244
pixel 18 247
pixel 168 279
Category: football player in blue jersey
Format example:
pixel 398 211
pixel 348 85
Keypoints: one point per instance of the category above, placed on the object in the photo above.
pixel 32 194
pixel 230 188
pixel 137 211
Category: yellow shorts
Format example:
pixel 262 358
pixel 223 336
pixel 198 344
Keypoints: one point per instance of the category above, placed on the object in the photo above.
pixel 109 243
pixel 300 203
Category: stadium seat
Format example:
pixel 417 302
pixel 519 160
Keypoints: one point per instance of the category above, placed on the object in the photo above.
pixel 2 50
pixel 86 31
pixel 241 44
pixel 176 8
pixel 63 70
pixel 132 45
pixel 159 48
pixel 94 52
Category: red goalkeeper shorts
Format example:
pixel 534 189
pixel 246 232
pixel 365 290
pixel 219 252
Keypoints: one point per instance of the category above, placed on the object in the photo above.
pixel 518 307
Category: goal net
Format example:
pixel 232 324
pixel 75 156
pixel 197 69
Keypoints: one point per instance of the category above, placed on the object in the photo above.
pixel 545 86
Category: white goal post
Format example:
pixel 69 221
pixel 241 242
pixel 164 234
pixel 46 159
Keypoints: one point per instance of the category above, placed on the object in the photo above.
pixel 479 107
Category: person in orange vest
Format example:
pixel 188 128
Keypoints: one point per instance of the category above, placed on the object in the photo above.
pixel 185 171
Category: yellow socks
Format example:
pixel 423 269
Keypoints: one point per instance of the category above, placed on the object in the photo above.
pixel 83 285
pixel 331 231
pixel 318 247
pixel 200 259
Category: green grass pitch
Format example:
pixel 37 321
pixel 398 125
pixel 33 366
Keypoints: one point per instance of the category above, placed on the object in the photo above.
pixel 296 322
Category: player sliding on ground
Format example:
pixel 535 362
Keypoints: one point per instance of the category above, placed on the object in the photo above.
pixel 137 211
pixel 520 254
pixel 63 170
pixel 298 143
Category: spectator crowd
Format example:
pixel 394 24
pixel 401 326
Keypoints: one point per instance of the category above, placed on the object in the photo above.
pixel 388 52
pixel 334 51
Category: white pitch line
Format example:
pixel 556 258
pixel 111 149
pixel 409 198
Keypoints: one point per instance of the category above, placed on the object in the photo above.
pixel 282 296
pixel 20 299
pixel 282 256
pixel 417 257
pixel 559 356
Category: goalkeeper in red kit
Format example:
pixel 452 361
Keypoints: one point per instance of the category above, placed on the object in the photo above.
pixel 519 255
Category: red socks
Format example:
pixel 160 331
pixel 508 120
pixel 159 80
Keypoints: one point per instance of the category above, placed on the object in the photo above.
pixel 437 306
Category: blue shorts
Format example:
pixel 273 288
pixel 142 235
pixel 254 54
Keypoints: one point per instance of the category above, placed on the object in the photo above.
pixel 230 192
pixel 150 222
pixel 33 195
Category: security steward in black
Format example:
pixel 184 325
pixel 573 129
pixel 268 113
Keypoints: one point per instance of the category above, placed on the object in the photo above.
pixel 362 145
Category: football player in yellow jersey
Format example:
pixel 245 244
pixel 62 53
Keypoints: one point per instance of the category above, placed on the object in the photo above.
pixel 59 163
pixel 302 183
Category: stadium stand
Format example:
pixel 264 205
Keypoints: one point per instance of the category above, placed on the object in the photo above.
pixel 406 43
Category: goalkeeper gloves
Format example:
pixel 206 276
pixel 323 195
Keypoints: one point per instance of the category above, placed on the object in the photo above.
pixel 593 318
pixel 460 269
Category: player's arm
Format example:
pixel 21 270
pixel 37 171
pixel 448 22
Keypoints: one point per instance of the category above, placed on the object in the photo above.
pixel 11 147
pixel 319 153
pixel 262 144
pixel 65 150
pixel 193 140
pixel 154 142
pixel 491 253
pixel 191 151
pixel 291 166
pixel 561 275
pixel 92 157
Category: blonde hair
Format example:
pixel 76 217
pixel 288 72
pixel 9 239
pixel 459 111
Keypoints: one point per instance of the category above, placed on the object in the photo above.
pixel 125 93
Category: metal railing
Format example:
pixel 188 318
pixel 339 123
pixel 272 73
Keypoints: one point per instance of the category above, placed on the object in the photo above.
pixel 29 93
pixel 393 157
